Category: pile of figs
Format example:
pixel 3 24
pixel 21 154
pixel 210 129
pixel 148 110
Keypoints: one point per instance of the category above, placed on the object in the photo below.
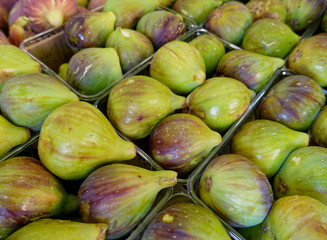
pixel 227 113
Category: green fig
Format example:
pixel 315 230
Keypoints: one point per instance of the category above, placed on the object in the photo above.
pixel 11 135
pixel 105 195
pixel 77 138
pixel 270 37
pixel 295 102
pixel 251 233
pixel 30 192
pixel 14 61
pixel 296 217
pixel 307 58
pixel 54 229
pixel 252 69
pixel 318 128
pixel 236 189
pixel 324 22
pixel 62 72
pixel 161 27
pixel 89 29
pixel 267 143
pixel 26 100
pixel 211 49
pixel 229 21
pixel 180 141
pixel 219 102
pixel 132 47
pixel 304 172
pixel 129 12
pixel 185 221
pixel 92 70
pixel 166 3
pixel 178 65
pixel 136 104
pixel 274 9
pixel 3 38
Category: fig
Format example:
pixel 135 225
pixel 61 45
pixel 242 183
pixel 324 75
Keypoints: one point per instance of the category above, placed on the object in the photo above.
pixel 274 9
pixel 180 141
pixel 270 37
pixel 317 129
pixel 166 3
pixel 93 4
pixel 300 14
pixel 129 12
pixel 304 172
pixel 267 143
pixel 11 135
pixel 62 71
pixel 29 192
pixel 219 102
pixel 295 102
pixel 3 38
pixel 5 7
pixel 296 217
pixel 307 58
pixel 185 221
pixel 16 12
pixel 26 100
pixel 19 31
pixel 136 104
pixel 324 22
pixel 198 10
pixel 91 70
pixel 236 189
pixel 229 21
pixel 178 65
pixel 251 233
pixel 14 61
pixel 211 49
pixel 105 195
pixel 53 229
pixel 89 29
pixel 82 3
pixel 161 27
pixel 47 14
pixel 252 69
pixel 132 47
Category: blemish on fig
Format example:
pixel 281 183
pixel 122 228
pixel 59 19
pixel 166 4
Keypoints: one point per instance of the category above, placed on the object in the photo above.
pixel 297 55
pixel 282 187
pixel 168 218
pixel 139 176
pixel 207 183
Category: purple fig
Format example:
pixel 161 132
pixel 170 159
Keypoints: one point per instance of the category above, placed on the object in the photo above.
pixel 16 12
pixel 274 9
pixel 3 38
pixel 318 128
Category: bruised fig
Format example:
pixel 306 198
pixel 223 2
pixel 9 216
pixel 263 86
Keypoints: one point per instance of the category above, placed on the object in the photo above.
pixel 229 21
pixel 91 70
pixel 180 141
pixel 105 196
pixel 267 143
pixel 318 128
pixel 161 27
pixel 185 221
pixel 89 29
pixel 77 138
pixel 274 9
pixel 252 69
pixel 3 38
pixel 136 104
pixel 132 47
pixel 178 65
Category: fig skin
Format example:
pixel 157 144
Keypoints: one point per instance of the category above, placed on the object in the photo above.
pixel 161 27
pixel 180 141
pixel 229 21
pixel 252 69
pixel 3 38
pixel 304 172
pixel 296 217
pixel 318 128
pixel 307 58
pixel 295 102
pixel 105 195
pixel 185 221
pixel 236 189
pixel 274 9
pixel 166 3
pixel 19 31
pixel 95 4
pixel 5 7
pixel 62 71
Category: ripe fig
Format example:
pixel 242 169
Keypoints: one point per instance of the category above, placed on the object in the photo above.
pixel 3 38
pixel 16 12
pixel 77 138
pixel 296 217
pixel 236 189
pixel 19 31
pixel 219 101
pixel 295 102
pixel 229 21
pixel 318 128
pixel 136 104
pixel 267 143
pixel 185 221
pixel 105 195
pixel 179 66
pixel 274 9
pixel 252 69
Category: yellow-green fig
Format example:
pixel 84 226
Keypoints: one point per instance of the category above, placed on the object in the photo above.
pixel 274 9
pixel 77 138
pixel 180 66
pixel 54 229
pixel 105 196
pixel 318 131
pixel 166 3
pixel 62 71
pixel 136 104
pixel 267 143
pixel 251 233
